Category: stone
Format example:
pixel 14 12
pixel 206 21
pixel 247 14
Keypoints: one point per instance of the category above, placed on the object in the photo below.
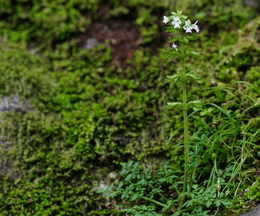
pixel 90 43
pixel 255 212
pixel 251 3
pixel 7 105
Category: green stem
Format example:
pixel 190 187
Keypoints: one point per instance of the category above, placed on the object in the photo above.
pixel 185 136
pixel 193 174
pixel 163 196
pixel 185 119
pixel 154 201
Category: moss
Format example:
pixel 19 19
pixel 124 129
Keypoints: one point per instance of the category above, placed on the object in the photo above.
pixel 95 117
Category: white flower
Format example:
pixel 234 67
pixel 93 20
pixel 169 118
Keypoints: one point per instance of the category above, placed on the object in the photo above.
pixel 174 46
pixel 194 26
pixel 189 27
pixel 176 22
pixel 165 19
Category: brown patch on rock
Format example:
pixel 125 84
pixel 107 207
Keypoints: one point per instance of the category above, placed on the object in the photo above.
pixel 123 36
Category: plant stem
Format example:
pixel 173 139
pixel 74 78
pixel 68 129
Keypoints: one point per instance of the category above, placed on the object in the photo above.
pixel 152 200
pixel 163 197
pixel 193 175
pixel 185 120
pixel 185 137
pixel 184 103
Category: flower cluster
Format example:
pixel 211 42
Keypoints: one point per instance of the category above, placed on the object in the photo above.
pixel 177 24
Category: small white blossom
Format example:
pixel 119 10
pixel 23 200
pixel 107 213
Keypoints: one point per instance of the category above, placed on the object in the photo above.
pixel 165 19
pixel 189 27
pixel 176 22
pixel 194 26
pixel 174 46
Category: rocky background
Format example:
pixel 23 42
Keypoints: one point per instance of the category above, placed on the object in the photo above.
pixel 83 90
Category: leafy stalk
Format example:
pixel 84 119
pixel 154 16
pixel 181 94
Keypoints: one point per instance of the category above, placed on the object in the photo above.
pixel 184 103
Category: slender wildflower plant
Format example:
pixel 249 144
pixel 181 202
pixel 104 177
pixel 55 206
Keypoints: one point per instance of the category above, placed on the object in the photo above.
pixel 142 193
pixel 180 22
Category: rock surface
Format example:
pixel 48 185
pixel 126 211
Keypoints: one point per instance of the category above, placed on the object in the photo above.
pixel 90 43
pixel 252 3
pixel 255 212
pixel 7 105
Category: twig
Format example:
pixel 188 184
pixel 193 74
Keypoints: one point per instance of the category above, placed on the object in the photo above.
pixel 237 187
pixel 216 211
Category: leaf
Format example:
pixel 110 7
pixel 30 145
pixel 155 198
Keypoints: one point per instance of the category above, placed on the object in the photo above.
pixel 208 204
pixel 217 203
pixel 192 37
pixel 175 77
pixel 195 186
pixel 100 191
pixel 136 165
pixel 120 185
pixel 114 194
pixel 172 40
pixel 144 207
pixel 168 204
pixel 106 190
pixel 192 75
pixel 170 29
pixel 129 177
pixel 197 103
pixel 179 14
pixel 192 53
pixel 184 40
pixel 173 105
pixel 225 202
pixel 195 54
pixel 172 53
pixel 134 197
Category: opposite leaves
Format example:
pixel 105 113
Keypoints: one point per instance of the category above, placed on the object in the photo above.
pixel 192 53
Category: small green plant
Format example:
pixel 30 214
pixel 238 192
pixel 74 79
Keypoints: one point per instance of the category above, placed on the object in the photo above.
pixel 142 186
pixel 172 191
pixel 178 20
